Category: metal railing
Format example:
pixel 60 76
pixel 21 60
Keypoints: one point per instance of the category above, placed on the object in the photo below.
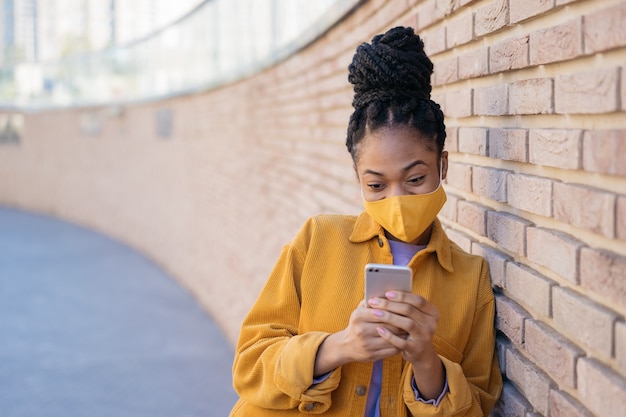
pixel 220 41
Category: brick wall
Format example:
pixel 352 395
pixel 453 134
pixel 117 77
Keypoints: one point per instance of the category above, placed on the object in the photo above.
pixel 534 96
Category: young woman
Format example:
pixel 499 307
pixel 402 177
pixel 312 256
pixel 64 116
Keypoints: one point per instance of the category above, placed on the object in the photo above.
pixel 311 344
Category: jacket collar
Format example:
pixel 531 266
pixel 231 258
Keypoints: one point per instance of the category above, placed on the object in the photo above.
pixel 365 228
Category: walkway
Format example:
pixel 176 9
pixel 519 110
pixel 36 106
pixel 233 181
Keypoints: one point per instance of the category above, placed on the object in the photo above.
pixel 88 327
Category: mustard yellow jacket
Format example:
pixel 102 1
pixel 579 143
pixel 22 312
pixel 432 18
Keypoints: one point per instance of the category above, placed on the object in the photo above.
pixel 314 287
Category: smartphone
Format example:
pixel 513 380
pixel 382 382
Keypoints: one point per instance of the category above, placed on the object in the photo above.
pixel 380 278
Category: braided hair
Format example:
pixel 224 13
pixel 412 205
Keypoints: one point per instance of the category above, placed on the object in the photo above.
pixel 391 80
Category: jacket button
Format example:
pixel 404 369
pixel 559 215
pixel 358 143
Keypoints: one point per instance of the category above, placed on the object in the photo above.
pixel 361 390
pixel 309 406
pixel 380 242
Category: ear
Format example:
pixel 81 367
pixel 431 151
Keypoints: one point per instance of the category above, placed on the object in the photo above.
pixel 444 162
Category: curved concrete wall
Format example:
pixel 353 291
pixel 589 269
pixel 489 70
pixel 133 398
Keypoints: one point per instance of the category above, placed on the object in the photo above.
pixel 212 185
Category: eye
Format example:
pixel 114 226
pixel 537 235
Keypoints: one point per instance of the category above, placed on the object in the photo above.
pixel 375 186
pixel 415 180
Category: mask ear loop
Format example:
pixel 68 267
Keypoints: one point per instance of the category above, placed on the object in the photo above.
pixel 440 172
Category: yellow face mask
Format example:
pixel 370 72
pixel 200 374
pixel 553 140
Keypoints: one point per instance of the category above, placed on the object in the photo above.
pixel 407 216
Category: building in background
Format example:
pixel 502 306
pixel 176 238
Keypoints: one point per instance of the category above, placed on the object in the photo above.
pixel 45 30
pixel 18 30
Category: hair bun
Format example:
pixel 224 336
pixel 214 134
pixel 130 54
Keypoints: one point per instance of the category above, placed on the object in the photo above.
pixel 393 66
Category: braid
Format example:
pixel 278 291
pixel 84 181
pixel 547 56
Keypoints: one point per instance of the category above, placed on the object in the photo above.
pixel 391 80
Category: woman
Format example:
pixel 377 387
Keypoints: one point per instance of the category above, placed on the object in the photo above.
pixel 311 344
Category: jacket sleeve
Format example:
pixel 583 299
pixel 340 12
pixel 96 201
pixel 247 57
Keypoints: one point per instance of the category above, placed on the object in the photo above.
pixel 474 383
pixel 273 366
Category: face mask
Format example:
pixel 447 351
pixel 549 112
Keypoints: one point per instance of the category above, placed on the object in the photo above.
pixel 407 216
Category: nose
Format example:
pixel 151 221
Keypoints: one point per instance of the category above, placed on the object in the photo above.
pixel 395 190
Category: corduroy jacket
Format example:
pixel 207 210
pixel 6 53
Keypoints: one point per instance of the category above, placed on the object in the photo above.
pixel 311 292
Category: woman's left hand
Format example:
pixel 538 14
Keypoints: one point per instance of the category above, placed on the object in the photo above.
pixel 418 318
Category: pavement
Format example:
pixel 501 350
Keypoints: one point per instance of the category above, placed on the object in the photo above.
pixel 90 327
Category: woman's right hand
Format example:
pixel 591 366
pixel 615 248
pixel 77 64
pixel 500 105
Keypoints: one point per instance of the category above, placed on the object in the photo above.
pixel 358 342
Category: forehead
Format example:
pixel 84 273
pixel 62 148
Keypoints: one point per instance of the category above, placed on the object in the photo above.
pixel 395 145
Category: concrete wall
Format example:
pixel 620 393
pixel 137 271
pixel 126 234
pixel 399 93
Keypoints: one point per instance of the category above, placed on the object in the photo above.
pixel 212 185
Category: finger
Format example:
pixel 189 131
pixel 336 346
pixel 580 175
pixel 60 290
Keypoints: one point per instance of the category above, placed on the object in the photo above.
pixel 395 299
pixel 400 323
pixel 400 342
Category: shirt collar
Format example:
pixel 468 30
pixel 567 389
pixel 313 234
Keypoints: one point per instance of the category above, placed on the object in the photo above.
pixel 365 228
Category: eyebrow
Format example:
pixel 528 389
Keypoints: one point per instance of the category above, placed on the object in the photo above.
pixel 405 169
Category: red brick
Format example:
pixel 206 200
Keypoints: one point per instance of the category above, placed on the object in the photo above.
pixel 461 239
pixel 491 17
pixel 589 92
pixel 583 321
pixel 552 352
pixel 528 288
pixel 620 213
pixel 508 231
pixel 502 345
pixel 530 193
pixel 620 346
pixel 529 379
pixel 440 98
pixel 605 29
pixel 603 391
pixel 523 9
pixel 557 43
pixel 446 71
pixel 449 209
pixel 509 54
pixel 555 251
pixel 473 140
pixel 562 405
pixel 459 103
pixel 491 101
pixel 510 319
pixel 603 151
pixel 512 403
pixel 604 273
pixel 580 205
pixel 555 147
pixel 460 30
pixel 473 216
pixel 452 142
pixel 460 176
pixel 508 144
pixel 474 64
pixel 426 14
pixel 409 21
pixel 446 7
pixel 490 183
pixel 623 98
pixel 497 262
pixel 386 15
pixel 435 41
pixel 532 96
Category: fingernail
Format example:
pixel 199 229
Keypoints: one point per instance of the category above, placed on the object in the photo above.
pixel 374 301
pixel 381 331
pixel 391 295
pixel 377 313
